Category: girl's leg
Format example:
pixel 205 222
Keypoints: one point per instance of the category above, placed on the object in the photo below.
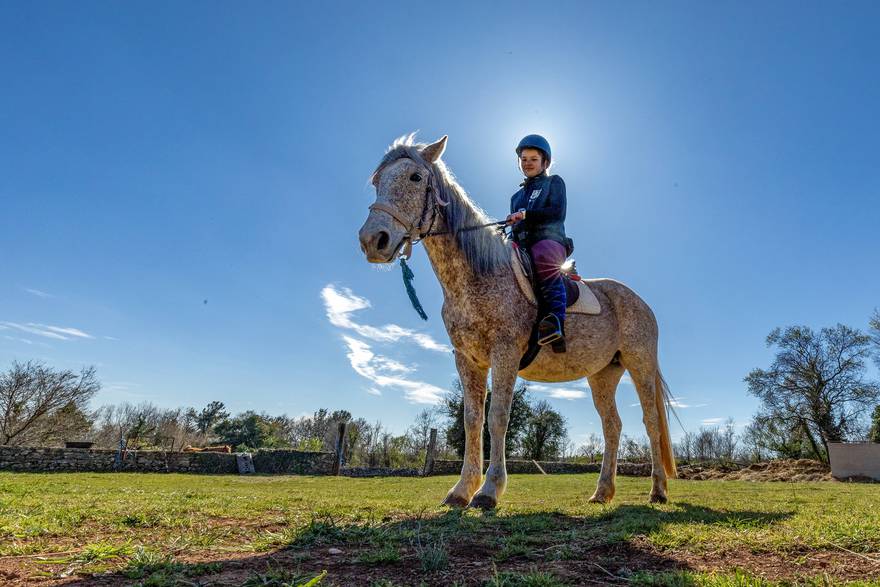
pixel 548 256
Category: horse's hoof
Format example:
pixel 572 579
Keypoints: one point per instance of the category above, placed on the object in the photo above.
pixel 602 496
pixel 658 498
pixel 455 501
pixel 483 502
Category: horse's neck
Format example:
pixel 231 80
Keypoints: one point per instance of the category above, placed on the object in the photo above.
pixel 450 265
pixel 453 271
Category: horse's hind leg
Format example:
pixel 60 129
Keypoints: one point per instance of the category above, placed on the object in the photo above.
pixel 604 386
pixel 473 387
pixel 644 376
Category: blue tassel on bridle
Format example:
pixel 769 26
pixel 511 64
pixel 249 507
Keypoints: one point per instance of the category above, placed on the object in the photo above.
pixel 410 290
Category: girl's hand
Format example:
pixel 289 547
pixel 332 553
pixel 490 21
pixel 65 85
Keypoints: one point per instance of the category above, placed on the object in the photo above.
pixel 515 217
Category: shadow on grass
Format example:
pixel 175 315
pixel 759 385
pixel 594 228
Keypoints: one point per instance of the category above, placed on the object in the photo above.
pixel 454 547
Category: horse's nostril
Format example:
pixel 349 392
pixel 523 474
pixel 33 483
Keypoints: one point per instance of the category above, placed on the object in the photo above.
pixel 383 240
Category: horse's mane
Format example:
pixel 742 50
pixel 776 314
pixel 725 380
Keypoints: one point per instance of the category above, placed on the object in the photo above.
pixel 485 250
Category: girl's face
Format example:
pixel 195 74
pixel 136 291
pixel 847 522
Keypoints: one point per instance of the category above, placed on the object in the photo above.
pixel 531 162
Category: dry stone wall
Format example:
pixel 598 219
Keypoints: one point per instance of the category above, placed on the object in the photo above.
pixel 38 459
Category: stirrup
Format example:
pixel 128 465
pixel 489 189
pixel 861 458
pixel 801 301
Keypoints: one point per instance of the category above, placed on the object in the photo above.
pixel 549 330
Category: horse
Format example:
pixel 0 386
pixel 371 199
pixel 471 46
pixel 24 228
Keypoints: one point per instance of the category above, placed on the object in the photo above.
pixel 489 321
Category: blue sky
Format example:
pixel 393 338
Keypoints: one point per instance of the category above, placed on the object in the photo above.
pixel 182 185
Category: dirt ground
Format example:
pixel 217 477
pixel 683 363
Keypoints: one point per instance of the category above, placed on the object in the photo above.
pixel 791 471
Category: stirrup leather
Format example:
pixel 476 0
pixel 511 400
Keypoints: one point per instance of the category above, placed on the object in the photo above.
pixel 549 330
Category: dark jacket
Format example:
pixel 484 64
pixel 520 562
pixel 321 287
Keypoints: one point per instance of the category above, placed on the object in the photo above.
pixel 543 198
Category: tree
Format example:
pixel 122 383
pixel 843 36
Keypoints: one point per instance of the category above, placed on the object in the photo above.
pixel 874 434
pixel 684 449
pixel 768 436
pixel 453 409
pixel 210 415
pixel 70 422
pixel 32 392
pixel 545 433
pixel 420 432
pixel 816 382
pixel 874 328
pixel 638 451
pixel 592 448
pixel 251 430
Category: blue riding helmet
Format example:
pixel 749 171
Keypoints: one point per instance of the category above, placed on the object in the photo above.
pixel 534 142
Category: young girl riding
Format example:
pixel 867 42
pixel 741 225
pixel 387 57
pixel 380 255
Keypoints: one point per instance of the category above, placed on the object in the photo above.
pixel 537 217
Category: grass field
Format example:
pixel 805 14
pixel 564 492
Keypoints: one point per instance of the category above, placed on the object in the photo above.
pixel 108 529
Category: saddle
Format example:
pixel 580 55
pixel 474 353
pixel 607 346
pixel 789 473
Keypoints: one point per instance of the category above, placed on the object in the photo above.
pixel 580 299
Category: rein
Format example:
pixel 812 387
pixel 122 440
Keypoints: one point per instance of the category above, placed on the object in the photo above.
pixel 414 233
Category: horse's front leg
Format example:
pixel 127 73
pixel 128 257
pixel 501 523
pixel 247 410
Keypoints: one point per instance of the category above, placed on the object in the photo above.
pixel 505 362
pixel 473 385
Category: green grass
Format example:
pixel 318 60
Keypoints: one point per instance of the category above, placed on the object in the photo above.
pixel 148 526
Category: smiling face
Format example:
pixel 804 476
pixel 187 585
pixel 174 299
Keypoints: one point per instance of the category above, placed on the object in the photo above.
pixel 532 162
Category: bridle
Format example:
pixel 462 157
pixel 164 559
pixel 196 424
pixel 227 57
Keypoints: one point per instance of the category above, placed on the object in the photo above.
pixel 414 232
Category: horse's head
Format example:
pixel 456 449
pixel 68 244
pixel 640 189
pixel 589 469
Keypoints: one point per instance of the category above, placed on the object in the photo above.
pixel 406 190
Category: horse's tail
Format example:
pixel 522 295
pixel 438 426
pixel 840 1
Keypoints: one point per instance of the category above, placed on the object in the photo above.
pixel 662 398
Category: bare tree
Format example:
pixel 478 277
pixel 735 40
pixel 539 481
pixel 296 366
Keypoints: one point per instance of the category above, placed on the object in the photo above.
pixel 31 392
pixel 684 449
pixel 817 382
pixel 634 450
pixel 874 327
pixel 420 431
pixel 592 448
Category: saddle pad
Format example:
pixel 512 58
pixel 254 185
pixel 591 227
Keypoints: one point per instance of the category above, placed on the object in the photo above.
pixel 587 302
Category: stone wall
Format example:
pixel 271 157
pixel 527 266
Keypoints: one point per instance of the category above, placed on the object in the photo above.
pixel 294 462
pixel 517 466
pixel 271 462
pixel 289 462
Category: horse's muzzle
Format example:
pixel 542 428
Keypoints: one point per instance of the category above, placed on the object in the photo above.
pixel 377 245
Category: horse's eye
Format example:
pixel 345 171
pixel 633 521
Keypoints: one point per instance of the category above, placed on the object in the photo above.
pixel 415 177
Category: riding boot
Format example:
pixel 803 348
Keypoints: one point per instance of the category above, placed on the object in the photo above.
pixel 558 345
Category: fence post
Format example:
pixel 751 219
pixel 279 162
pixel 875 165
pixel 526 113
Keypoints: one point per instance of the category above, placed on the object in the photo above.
pixel 429 455
pixel 340 447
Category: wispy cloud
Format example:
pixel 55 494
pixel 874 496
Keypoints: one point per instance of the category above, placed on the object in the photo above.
pixel 38 293
pixel 54 332
pixel 385 372
pixel 712 421
pixel 70 331
pixel 675 403
pixel 123 391
pixel 559 392
pixel 341 303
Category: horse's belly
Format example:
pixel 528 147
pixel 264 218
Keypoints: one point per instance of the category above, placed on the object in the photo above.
pixel 591 344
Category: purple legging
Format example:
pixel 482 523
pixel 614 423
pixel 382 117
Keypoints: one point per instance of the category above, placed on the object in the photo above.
pixel 548 256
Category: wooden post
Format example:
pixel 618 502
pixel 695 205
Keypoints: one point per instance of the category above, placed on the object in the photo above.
pixel 539 467
pixel 429 455
pixel 340 447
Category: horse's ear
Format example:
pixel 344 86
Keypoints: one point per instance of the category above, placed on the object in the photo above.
pixel 431 154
